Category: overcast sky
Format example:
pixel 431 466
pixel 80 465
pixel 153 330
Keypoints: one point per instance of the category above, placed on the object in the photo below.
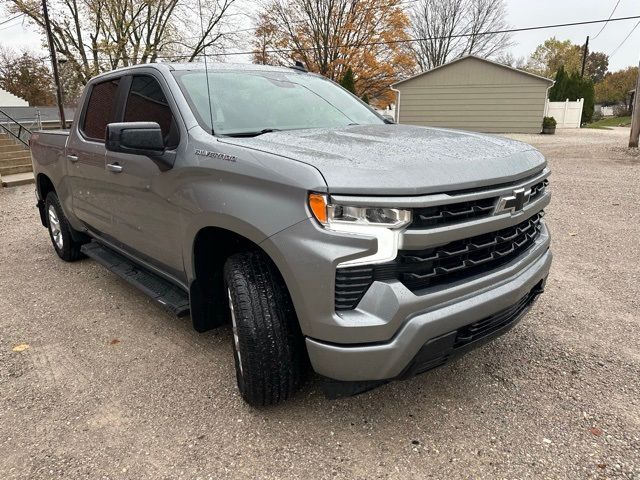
pixel 521 13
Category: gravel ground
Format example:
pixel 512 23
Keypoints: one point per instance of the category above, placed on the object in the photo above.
pixel 112 387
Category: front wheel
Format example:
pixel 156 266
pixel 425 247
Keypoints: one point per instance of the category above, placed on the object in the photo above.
pixel 60 231
pixel 267 343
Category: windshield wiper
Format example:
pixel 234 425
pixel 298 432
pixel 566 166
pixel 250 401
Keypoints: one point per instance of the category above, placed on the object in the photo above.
pixel 252 134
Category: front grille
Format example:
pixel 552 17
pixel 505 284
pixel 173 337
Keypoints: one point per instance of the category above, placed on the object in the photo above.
pixel 538 189
pixel 451 213
pixel 459 260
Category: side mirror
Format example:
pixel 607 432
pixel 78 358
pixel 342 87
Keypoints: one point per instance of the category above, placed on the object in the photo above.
pixel 388 119
pixel 137 138
pixel 140 138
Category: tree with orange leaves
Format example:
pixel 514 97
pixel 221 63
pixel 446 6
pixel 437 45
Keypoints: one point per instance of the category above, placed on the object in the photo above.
pixel 329 36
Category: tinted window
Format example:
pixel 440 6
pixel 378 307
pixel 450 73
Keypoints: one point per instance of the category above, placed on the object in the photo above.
pixel 100 109
pixel 147 103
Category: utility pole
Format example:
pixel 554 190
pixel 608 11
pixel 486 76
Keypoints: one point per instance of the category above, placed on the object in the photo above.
pixel 635 118
pixel 54 64
pixel 584 56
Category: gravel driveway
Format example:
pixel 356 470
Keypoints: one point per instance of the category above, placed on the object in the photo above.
pixel 112 387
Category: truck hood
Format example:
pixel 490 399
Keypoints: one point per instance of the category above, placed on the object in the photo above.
pixel 401 159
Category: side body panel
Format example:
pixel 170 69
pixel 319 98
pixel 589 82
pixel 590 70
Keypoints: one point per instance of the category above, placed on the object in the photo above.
pixel 255 195
pixel 144 221
pixel 48 155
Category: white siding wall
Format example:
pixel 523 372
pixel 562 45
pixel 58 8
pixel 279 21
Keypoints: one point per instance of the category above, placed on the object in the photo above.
pixel 9 100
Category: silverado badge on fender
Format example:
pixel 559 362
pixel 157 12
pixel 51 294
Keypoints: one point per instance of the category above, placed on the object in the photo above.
pixel 221 156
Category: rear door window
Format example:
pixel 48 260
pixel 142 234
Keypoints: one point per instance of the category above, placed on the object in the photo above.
pixel 100 109
pixel 147 103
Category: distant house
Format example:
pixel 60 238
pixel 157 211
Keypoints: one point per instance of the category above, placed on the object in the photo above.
pixel 476 94
pixel 9 100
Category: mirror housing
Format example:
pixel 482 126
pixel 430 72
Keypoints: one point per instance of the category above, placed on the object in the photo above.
pixel 139 138
pixel 388 118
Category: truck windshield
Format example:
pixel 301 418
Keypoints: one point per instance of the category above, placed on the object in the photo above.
pixel 246 103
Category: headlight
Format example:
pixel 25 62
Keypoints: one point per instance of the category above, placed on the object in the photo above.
pixel 337 216
pixel 380 222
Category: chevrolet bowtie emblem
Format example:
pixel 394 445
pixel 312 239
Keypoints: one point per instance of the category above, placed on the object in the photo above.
pixel 515 202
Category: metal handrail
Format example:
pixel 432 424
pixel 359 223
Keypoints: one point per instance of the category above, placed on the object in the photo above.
pixel 20 126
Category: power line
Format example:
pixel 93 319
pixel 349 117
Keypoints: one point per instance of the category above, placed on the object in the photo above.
pixel 605 23
pixel 625 39
pixel 412 40
pixel 11 19
pixel 7 27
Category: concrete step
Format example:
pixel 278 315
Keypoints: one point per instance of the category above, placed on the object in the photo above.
pixel 13 161
pixel 12 148
pixel 23 168
pixel 15 153
pixel 17 179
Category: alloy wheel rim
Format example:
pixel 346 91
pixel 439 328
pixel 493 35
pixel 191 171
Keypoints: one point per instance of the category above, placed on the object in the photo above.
pixel 54 227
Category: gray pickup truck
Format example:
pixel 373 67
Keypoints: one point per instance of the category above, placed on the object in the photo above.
pixel 272 199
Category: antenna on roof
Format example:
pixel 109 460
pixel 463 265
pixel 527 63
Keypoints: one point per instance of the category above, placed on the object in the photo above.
pixel 299 66
pixel 206 70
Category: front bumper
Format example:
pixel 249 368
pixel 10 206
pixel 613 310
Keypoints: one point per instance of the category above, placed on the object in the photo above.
pixel 425 340
pixel 379 338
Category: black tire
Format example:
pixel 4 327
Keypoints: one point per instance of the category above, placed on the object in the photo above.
pixel 65 246
pixel 269 348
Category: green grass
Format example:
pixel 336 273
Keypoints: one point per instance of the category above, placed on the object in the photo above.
pixel 605 123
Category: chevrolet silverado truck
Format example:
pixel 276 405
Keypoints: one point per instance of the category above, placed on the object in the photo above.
pixel 273 200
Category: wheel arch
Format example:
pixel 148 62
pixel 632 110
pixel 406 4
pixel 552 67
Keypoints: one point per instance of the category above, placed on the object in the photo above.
pixel 211 247
pixel 44 185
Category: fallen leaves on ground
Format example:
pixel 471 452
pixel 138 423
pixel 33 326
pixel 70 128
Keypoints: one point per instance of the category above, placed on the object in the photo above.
pixel 21 347
pixel 115 341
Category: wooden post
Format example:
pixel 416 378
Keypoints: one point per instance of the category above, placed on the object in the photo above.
pixel 584 56
pixel 635 118
pixel 54 65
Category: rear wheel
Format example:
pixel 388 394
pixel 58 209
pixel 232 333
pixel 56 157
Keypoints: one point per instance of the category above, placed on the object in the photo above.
pixel 267 343
pixel 60 231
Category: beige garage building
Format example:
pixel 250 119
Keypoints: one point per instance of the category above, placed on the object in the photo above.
pixel 472 93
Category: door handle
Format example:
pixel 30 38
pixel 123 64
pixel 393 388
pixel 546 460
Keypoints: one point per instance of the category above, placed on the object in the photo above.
pixel 72 158
pixel 114 167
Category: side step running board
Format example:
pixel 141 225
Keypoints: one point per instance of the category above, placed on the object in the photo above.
pixel 170 296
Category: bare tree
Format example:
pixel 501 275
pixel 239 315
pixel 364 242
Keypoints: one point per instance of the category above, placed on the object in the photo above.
pixel 99 35
pixel 509 59
pixel 450 29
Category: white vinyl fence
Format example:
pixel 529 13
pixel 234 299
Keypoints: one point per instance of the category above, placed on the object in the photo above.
pixel 607 111
pixel 567 114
